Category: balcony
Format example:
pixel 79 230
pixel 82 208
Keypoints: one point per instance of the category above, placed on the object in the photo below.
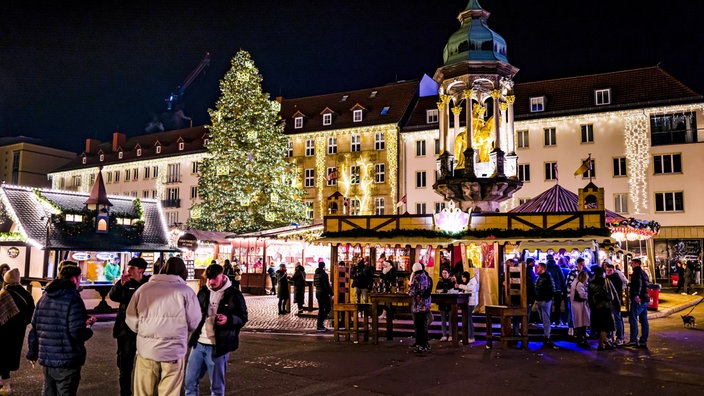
pixel 171 203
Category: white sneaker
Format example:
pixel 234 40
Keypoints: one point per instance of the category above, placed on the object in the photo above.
pixel 443 339
pixel 694 294
pixel 683 293
pixel 449 339
pixel 570 331
pixel 470 340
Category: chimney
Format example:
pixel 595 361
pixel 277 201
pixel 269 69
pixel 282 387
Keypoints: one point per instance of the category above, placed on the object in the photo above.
pixel 92 146
pixel 118 140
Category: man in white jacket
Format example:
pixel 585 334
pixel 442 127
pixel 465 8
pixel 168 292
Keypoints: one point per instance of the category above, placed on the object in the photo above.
pixel 163 312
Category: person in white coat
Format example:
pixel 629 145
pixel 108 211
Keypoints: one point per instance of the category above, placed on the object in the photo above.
pixel 580 308
pixel 163 312
pixel 470 284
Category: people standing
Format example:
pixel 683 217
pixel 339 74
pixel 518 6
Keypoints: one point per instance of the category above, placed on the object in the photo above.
pixel 323 293
pixel 638 294
pixel 362 280
pixel 224 313
pixel 299 286
pixel 16 309
pixel 601 294
pixel 445 284
pixel 4 267
pixel 544 293
pixel 420 291
pixel 122 293
pixel 689 278
pixel 680 277
pixel 272 275
pixel 60 328
pixel 284 293
pixel 580 309
pixel 163 312
pixel 558 279
pixel 237 278
pixel 616 280
pixel 470 285
pixel 112 271
pixel 229 271
pixel 569 282
pixel 388 276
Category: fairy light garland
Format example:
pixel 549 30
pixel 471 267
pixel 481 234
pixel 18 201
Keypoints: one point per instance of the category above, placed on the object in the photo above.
pixel 637 158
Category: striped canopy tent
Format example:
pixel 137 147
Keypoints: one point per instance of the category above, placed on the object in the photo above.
pixel 557 200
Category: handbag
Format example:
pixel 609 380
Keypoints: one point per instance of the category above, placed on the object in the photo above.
pixel 578 298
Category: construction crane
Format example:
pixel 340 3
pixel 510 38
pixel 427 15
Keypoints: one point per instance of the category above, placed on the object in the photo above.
pixel 175 98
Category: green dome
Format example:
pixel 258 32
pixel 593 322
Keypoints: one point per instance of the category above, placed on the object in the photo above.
pixel 474 41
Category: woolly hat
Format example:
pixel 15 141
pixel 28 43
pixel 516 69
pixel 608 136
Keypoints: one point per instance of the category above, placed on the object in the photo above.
pixel 12 276
pixel 417 267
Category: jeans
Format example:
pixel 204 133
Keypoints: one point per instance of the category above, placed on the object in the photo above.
pixel 544 312
pixel 283 304
pixel 273 284
pixel 361 293
pixel 444 323
pixel 420 322
pixel 201 360
pixel 557 306
pixel 61 381
pixel 323 308
pixel 570 319
pixel 126 352
pixel 618 322
pixel 470 332
pixel 639 313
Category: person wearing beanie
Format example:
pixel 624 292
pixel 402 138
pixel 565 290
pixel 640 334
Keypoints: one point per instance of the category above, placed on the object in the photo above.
pixel 16 309
pixel 122 293
pixel 420 289
pixel 163 312
pixel 323 293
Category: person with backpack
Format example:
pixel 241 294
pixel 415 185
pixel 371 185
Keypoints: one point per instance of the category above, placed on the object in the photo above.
pixel 420 290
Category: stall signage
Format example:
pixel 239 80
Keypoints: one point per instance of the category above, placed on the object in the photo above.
pixel 80 256
pixel 105 256
pixel 188 241
pixel 13 252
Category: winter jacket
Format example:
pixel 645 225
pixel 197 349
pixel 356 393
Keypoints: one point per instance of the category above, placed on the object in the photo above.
pixel 321 281
pixel 639 285
pixel 123 294
pixel 544 287
pixel 419 291
pixel 59 328
pixel 299 284
pixel 163 312
pixel 580 309
pixel 444 286
pixel 232 305
pixel 282 279
pixel 472 287
pixel 12 332
pixel 558 277
pixel 362 276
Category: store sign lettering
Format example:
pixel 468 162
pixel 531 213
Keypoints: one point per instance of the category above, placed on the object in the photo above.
pixel 80 256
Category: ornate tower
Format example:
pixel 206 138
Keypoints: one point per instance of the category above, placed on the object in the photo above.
pixel 477 167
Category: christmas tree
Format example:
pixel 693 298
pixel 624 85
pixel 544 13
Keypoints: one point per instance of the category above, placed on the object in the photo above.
pixel 245 184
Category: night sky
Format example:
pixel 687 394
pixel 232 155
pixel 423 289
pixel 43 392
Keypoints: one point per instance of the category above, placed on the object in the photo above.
pixel 70 72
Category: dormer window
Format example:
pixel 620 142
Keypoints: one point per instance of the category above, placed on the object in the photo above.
pixel 602 96
pixel 120 155
pixel 431 116
pixel 102 157
pixel 139 152
pixel 181 146
pixel 74 218
pixel 385 110
pixel 373 94
pixel 357 115
pixel 158 149
pixel 205 142
pixel 344 98
pixel 537 104
pixel 84 160
pixel 327 118
pixel 298 122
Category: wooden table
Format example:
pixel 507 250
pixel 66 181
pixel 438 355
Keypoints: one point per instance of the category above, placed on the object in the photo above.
pixel 103 288
pixel 453 299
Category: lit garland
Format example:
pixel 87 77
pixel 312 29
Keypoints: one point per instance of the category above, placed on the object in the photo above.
pixel 634 230
pixel 392 137
pixel 638 158
pixel 321 173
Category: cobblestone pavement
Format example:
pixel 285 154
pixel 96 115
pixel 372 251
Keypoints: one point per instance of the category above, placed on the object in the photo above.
pixel 263 316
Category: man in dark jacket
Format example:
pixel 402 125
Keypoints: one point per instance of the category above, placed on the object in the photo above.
pixel 362 281
pixel 544 292
pixel 323 293
pixel 224 314
pixel 122 293
pixel 558 279
pixel 638 293
pixel 60 328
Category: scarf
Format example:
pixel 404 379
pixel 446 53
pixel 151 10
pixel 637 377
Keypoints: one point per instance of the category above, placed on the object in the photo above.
pixel 8 308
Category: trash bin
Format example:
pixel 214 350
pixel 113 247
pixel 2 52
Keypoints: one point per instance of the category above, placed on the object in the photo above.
pixel 674 280
pixel 654 294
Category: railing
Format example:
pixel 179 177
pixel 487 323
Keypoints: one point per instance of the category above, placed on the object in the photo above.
pixel 171 203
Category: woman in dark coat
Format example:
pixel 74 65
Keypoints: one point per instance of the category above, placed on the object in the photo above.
pixel 299 285
pixel 283 293
pixel 16 310
pixel 600 295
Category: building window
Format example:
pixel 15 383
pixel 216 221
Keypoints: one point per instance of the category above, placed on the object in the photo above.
pixel 331 176
pixel 298 122
pixel 133 194
pixel 550 137
pixel 77 181
pixel 309 179
pixel 591 172
pixel 146 172
pixel 354 174
pixel 205 142
pixel 128 173
pixel 354 207
pixel 171 218
pixel 436 144
pixel 181 146
pixel 172 194
pixel 139 152
pixel 420 208
pixel 109 174
pixel 195 167
pixel 524 172
pixel 550 171
pixel 602 96
pixel 667 164
pixel 673 128
pixel 431 116
pixel 120 154
pixel 83 161
pixel 420 148
pixel 92 179
pixel 310 148
pixel 155 194
pixel 332 145
pixel 537 104
pixel 379 143
pixel 385 110
pixel 522 139
pixel 378 206
pixel 327 118
pixel 117 176
pixel 379 173
pixel 173 174
pixel 355 143
pixel 145 194
pixel 289 149
pixel 158 149
pixel 155 172
pixel 194 192
pixel 620 167
pixel 521 201
pixel 102 157
pixel 309 210
pixel 587 133
pixel 621 203
pixel 672 201
pixel 357 116
pixel 421 179
pixel 439 206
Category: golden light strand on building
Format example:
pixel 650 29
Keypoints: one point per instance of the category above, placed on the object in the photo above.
pixel 638 158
